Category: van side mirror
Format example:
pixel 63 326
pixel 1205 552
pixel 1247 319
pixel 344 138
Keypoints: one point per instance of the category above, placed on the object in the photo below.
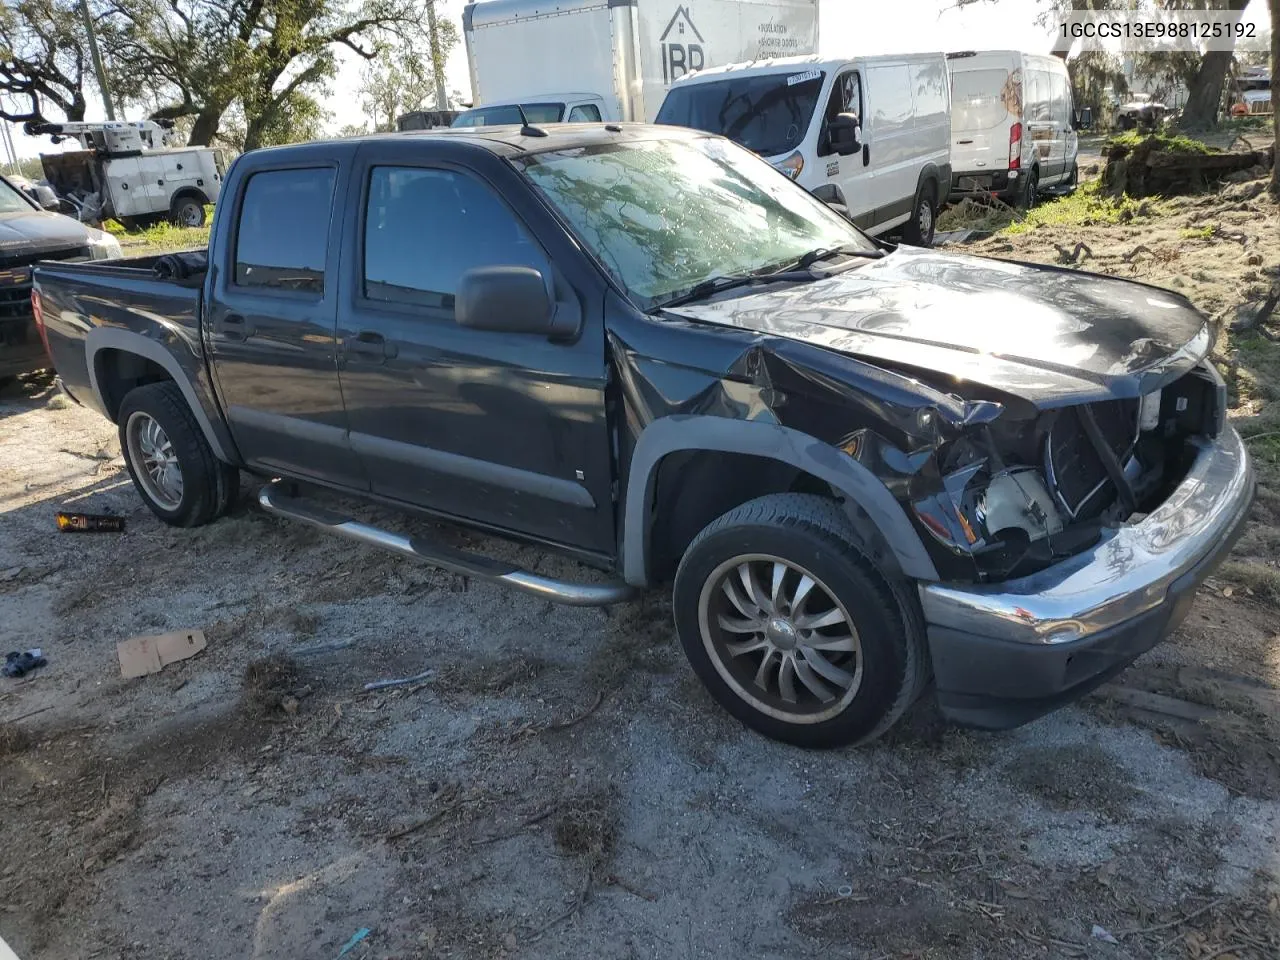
pixel 845 133
pixel 506 299
pixel 1082 119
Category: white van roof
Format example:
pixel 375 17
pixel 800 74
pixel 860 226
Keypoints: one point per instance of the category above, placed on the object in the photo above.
pixel 959 60
pixel 786 65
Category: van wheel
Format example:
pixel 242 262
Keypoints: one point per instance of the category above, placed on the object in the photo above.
pixel 1030 189
pixel 169 460
pixel 792 629
pixel 187 212
pixel 919 230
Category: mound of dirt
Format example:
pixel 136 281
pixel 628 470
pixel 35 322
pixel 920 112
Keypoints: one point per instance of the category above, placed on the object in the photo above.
pixel 13 739
pixel 1163 166
pixel 273 685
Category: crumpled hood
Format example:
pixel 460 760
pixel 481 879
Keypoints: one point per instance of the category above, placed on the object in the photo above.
pixel 38 231
pixel 1048 335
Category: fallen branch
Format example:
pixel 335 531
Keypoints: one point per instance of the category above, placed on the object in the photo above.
pixel 1071 256
pixel 29 713
pixel 613 880
pixel 566 724
pixel 578 905
pixel 1262 436
pixel 1132 254
pixel 524 825
pixel 423 823
pixel 1174 923
pixel 399 682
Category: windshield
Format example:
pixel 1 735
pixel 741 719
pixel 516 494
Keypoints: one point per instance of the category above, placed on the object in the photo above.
pixel 765 113
pixel 11 201
pixel 664 215
pixel 978 99
pixel 510 114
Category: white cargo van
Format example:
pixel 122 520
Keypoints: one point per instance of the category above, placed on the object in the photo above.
pixel 870 134
pixel 1013 125
pixel 619 55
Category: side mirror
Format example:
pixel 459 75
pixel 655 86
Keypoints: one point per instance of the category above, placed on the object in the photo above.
pixel 1082 119
pixel 845 133
pixel 507 299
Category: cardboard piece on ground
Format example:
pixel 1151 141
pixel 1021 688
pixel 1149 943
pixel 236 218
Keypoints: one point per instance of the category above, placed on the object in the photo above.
pixel 142 655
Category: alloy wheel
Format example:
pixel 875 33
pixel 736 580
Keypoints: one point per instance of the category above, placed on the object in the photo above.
pixel 154 460
pixel 780 638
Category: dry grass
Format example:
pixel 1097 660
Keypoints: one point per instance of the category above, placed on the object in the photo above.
pixel 13 739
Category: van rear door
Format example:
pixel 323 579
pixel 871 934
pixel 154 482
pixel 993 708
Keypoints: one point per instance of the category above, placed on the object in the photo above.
pixel 984 105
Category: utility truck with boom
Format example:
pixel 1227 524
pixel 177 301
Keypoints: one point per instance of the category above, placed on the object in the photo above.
pixel 127 172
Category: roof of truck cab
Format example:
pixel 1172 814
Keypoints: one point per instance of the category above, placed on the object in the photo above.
pixel 503 140
pixel 777 65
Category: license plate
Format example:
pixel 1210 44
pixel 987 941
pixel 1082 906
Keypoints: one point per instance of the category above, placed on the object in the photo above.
pixel 975 183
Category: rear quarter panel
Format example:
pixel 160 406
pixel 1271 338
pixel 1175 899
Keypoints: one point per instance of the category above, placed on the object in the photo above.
pixel 90 308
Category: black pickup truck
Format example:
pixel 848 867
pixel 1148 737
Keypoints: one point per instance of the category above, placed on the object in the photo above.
pixel 861 467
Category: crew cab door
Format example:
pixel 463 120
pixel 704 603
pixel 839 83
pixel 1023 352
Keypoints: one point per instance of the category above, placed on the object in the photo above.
pixel 269 323
pixel 506 430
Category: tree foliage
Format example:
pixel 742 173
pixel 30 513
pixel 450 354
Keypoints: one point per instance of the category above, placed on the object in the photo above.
pixel 43 63
pixel 245 73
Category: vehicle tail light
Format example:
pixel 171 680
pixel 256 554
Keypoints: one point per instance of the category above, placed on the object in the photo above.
pixel 37 309
pixel 1015 146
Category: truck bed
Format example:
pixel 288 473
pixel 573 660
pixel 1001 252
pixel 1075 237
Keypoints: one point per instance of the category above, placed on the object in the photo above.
pixel 87 306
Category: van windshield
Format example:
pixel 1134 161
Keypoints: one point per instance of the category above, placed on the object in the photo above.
pixel 664 215
pixel 978 99
pixel 765 113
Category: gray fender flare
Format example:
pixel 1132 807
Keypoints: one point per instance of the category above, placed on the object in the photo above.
pixel 694 432
pixel 940 175
pixel 104 338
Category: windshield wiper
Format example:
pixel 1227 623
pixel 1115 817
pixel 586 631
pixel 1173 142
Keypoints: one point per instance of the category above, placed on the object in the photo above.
pixel 826 253
pixel 714 285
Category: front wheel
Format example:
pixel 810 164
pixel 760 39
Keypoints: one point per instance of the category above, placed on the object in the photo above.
pixel 790 627
pixel 169 460
pixel 920 228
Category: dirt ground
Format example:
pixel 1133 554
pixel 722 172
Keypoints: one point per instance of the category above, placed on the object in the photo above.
pixel 561 786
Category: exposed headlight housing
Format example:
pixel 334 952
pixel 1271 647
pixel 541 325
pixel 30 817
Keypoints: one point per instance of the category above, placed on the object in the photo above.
pixel 792 165
pixel 103 246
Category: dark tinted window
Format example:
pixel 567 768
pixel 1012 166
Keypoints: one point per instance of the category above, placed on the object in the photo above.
pixel 769 114
pixel 284 229
pixel 425 228
pixel 585 113
pixel 511 114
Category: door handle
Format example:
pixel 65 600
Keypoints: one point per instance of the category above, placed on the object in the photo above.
pixel 370 343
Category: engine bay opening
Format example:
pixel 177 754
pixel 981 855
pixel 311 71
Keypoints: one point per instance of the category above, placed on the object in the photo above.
pixel 1021 495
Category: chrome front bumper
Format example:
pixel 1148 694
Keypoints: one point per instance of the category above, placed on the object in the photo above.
pixel 1127 574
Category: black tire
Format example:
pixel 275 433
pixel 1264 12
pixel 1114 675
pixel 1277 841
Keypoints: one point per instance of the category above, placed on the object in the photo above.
pixel 1030 190
pixel 187 212
pixel 919 230
pixel 208 486
pixel 888 664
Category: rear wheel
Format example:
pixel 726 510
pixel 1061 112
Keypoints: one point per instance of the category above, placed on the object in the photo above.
pixel 1030 189
pixel 920 228
pixel 169 460
pixel 791 628
pixel 187 212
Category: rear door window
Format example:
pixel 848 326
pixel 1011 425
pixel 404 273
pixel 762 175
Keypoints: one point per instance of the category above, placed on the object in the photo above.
pixel 978 99
pixel 585 113
pixel 424 228
pixel 282 235
pixel 767 113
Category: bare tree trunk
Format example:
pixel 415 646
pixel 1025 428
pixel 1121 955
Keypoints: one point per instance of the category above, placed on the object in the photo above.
pixel 205 127
pixel 253 133
pixel 1275 95
pixel 1204 99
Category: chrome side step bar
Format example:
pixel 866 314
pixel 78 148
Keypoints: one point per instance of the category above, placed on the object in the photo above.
pixel 274 501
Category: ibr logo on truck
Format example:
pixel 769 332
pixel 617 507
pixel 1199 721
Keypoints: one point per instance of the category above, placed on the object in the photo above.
pixel 680 54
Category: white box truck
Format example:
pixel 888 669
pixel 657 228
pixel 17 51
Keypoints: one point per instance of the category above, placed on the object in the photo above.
pixel 562 60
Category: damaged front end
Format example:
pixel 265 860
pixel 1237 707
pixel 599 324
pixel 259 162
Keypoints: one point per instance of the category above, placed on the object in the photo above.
pixel 1014 496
